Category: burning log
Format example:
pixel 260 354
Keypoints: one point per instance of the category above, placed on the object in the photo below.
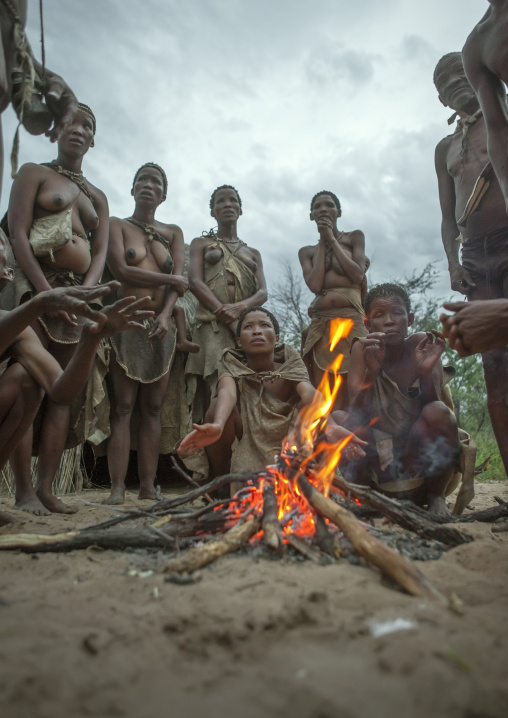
pixel 203 555
pixel 270 524
pixel 408 515
pixel 386 559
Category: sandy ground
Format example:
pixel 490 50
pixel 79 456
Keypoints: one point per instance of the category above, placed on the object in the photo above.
pixel 79 636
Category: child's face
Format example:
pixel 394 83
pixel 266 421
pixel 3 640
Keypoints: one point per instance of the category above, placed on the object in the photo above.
pixel 389 316
pixel 257 335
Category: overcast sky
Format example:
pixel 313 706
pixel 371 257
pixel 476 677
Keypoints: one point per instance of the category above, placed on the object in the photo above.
pixel 280 98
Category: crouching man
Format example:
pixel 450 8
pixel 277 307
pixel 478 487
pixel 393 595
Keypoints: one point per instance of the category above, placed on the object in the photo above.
pixel 395 385
pixel 261 388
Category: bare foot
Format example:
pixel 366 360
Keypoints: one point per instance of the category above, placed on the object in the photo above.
pixel 6 518
pixel 31 504
pixel 185 345
pixel 147 492
pixel 437 505
pixel 55 505
pixel 116 497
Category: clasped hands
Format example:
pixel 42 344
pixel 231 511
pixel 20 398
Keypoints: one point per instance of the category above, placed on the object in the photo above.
pixel 476 327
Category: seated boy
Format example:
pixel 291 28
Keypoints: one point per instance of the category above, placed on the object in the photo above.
pixel 261 386
pixel 32 370
pixel 395 383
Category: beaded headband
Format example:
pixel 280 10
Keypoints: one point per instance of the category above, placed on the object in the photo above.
pixel 84 108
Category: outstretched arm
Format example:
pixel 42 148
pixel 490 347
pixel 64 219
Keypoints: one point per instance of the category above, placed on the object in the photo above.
pixel 61 101
pixel 206 434
pixel 73 300
pixel 64 386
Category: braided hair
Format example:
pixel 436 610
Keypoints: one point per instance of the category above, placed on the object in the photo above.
pixel 332 195
pixel 383 291
pixel 164 178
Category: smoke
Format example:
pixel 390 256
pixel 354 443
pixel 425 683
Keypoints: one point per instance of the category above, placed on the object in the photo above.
pixel 434 457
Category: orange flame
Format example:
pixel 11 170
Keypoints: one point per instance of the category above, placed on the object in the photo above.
pixel 324 457
pixel 320 458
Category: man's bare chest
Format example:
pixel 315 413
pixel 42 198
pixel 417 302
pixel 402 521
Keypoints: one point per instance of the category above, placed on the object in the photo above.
pixel 467 154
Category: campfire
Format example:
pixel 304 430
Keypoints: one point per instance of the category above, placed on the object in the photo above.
pixel 297 504
pixel 276 497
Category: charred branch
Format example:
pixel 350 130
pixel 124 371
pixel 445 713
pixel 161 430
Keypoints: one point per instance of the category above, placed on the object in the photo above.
pixel 202 555
pixel 387 559
pixel 407 515
pixel 160 508
pixel 270 524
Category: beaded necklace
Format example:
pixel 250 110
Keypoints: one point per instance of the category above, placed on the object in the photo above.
pixel 76 177
pixel 150 230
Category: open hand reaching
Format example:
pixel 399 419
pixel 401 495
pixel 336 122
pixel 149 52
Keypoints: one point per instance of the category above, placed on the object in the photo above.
pixel 203 435
pixel 428 352
pixel 126 313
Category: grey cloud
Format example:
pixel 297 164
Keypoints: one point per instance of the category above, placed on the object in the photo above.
pixel 415 47
pixel 332 64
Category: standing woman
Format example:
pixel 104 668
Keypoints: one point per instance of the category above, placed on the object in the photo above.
pixel 334 271
pixel 147 257
pixel 226 276
pixel 58 226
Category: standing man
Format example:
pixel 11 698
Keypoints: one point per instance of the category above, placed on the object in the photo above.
pixel 473 213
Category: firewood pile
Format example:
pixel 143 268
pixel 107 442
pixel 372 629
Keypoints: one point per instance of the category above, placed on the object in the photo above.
pixel 297 507
pixel 274 516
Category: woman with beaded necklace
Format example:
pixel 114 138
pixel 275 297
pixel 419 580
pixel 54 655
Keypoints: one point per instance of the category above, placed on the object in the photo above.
pixel 147 257
pixel 226 276
pixel 58 227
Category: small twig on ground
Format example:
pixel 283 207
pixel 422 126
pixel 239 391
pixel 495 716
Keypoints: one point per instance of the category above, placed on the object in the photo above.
pixel 188 478
pixel 160 508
